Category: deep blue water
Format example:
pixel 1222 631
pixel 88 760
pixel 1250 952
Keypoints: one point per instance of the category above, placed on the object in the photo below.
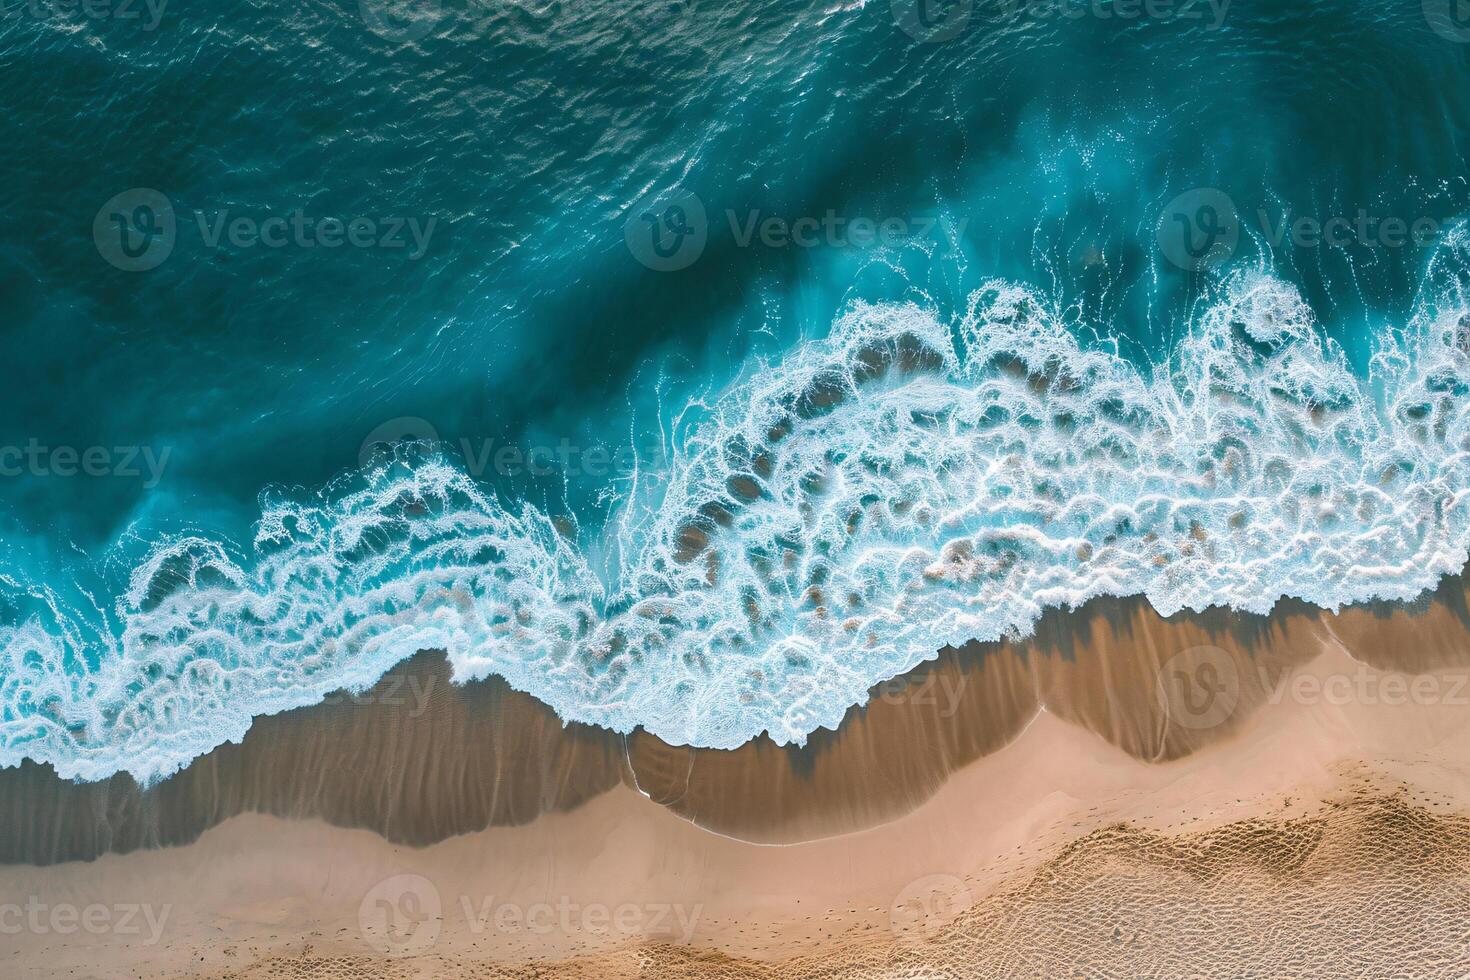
pixel 567 399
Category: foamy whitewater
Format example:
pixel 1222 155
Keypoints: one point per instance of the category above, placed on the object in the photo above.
pixel 831 521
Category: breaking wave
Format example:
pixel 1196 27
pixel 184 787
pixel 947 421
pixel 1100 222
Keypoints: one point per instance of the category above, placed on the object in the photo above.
pixel 833 519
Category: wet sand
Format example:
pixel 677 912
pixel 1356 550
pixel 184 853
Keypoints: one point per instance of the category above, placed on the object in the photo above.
pixel 1194 794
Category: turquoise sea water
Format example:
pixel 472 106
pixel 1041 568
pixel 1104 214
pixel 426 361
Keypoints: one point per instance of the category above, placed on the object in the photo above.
pixel 697 366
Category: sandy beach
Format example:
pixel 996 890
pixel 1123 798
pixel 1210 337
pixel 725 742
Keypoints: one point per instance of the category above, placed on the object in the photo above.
pixel 1119 794
pixel 677 490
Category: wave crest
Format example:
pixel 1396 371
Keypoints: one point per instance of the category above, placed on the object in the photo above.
pixel 835 519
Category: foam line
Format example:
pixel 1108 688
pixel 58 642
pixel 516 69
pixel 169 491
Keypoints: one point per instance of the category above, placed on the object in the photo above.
pixel 837 517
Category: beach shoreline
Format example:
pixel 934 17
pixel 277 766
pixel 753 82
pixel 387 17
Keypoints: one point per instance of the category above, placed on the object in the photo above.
pixel 615 884
pixel 447 759
pixel 334 835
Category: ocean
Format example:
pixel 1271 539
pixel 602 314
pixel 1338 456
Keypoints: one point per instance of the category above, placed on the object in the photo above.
pixel 696 366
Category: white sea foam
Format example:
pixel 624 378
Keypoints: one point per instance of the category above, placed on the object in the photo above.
pixel 839 516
